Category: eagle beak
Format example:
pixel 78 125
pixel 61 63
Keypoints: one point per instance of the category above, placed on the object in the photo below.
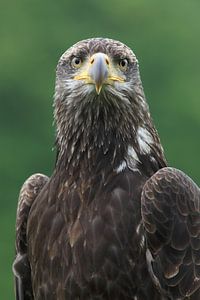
pixel 99 71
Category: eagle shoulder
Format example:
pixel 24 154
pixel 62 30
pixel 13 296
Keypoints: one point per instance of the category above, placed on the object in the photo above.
pixel 171 217
pixel 28 193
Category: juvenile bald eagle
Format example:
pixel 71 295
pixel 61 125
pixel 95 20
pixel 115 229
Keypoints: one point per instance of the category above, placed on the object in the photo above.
pixel 113 221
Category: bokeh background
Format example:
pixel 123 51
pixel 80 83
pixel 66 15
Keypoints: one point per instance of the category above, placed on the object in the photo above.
pixel 165 35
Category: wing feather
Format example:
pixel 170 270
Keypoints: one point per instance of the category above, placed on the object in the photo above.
pixel 171 217
pixel 21 268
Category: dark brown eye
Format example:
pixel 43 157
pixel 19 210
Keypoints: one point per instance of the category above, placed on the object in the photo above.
pixel 123 64
pixel 76 62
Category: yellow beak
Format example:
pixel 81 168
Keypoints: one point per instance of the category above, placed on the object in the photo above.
pixel 99 71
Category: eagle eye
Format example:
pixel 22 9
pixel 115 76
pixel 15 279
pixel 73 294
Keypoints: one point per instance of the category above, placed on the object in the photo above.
pixel 76 62
pixel 123 64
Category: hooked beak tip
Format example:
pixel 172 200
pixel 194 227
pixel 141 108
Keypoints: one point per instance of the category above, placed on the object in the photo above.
pixel 98 88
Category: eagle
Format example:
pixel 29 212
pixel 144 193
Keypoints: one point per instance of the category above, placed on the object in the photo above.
pixel 113 222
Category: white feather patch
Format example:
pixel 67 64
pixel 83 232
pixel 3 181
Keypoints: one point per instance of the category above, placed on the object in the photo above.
pixel 132 154
pixel 121 167
pixel 131 160
pixel 144 140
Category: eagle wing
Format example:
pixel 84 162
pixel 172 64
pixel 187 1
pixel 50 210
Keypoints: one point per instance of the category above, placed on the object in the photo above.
pixel 171 218
pixel 21 268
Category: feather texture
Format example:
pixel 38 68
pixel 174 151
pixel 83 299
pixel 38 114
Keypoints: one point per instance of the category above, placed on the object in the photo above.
pixel 171 216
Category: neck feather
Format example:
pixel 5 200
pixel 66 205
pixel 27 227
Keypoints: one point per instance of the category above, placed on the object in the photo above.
pixel 95 133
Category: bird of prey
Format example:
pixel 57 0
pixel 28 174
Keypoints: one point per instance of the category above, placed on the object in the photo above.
pixel 113 222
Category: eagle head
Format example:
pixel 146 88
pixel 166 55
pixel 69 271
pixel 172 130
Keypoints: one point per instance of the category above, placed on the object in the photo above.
pixel 97 67
pixel 99 100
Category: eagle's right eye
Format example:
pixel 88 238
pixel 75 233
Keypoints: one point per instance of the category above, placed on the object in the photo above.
pixel 76 62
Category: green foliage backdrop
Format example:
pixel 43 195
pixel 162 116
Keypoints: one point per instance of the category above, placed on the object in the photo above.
pixel 163 34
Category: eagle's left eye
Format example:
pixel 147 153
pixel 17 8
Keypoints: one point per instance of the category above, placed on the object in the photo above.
pixel 123 64
pixel 76 62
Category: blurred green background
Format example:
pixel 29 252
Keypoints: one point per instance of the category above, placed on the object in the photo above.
pixel 165 35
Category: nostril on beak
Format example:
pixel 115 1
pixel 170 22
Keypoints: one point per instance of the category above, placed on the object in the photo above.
pixel 107 61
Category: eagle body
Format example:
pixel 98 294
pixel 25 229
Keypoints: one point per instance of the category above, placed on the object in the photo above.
pixel 112 222
pixel 99 253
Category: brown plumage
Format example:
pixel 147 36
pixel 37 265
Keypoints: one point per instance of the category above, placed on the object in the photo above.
pixel 171 217
pixel 86 232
